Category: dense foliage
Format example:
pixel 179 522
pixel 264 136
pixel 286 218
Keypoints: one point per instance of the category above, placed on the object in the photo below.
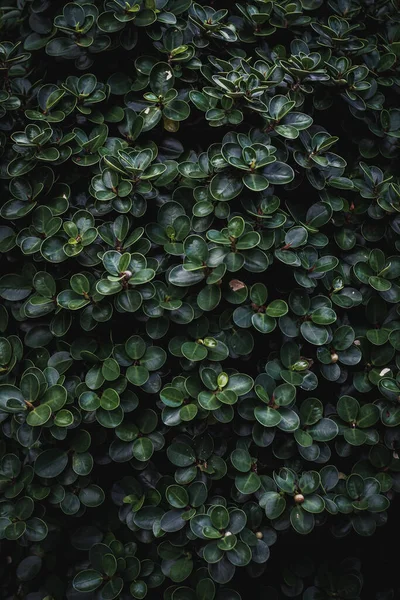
pixel 200 278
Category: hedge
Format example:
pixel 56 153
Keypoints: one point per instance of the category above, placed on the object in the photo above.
pixel 200 284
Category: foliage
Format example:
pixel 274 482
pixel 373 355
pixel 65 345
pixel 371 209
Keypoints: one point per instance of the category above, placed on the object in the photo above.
pixel 200 291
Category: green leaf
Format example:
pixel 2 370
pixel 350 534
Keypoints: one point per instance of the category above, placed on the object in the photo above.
pixel 324 430
pixel 109 399
pixel 313 504
pixel 181 454
pixel 268 417
pixel 323 316
pixel 194 351
pixel 343 337
pixel 219 517
pixel 110 369
pixel 255 182
pixel 29 568
pixel 311 411
pixel 182 278
pixel 296 237
pixel 14 531
pixel 368 415
pixel 143 449
pixel 248 483
pixel 51 463
pixel 87 581
pixel 355 437
pixel 241 460
pixel 347 408
pixel 240 383
pixel 93 496
pixel 274 504
pixel 225 186
pixel 195 248
pixel 209 297
pixel 263 322
pixel 161 79
pixel 241 555
pixel 177 496
pixel 39 415
pixel 177 110
pixel 303 438
pixel 277 308
pixel 284 394
pixel 355 486
pixel 181 570
pixel 222 571
pixel 379 283
pixel 301 521
pixel 137 375
pixel 64 418
pixel 138 589
pixel 289 420
pixel 314 334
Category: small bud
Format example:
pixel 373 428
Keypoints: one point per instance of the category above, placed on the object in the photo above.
pixel 299 498
pixel 259 535
pixel 222 380
pixel 300 365
pixel 170 231
pixel 227 533
pixel 334 357
pixel 128 274
pixel 210 342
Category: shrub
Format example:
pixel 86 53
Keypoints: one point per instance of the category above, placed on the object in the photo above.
pixel 200 290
